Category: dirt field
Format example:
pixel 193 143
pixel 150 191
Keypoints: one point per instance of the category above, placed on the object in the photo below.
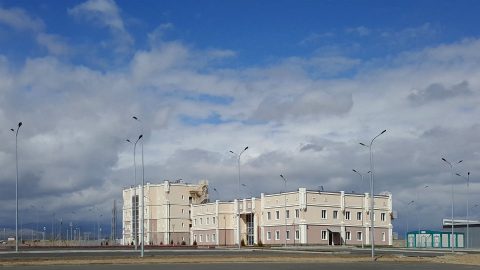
pixel 470 259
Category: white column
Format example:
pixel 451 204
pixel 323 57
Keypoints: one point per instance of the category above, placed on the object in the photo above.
pixel 390 226
pixel 303 233
pixel 166 236
pixel 367 220
pixel 217 224
pixel 236 210
pixel 342 211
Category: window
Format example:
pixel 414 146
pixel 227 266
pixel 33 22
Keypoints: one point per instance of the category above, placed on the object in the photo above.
pixel 287 213
pixel 297 234
pixel 195 222
pixel 383 237
pixel 382 216
pixel 277 235
pixel 213 220
pixel 200 238
pixel 183 225
pixel 194 237
pixel 359 236
pixel 201 221
pixel 269 235
pixel 207 221
pixel 335 214
pixel 269 215
pixel 347 215
pixel 288 235
pixel 359 215
pixel 348 235
pixel 324 214
pixel 206 238
pixel 214 238
pixel 277 215
pixel 324 235
pixel 297 213
pixel 183 197
pixel 183 211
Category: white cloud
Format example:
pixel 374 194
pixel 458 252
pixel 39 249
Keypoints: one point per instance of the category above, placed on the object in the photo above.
pixel 105 13
pixel 18 19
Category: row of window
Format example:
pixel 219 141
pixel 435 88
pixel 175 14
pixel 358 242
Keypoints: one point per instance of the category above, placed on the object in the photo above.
pixel 207 221
pixel 277 235
pixel 323 215
pixel 208 238
pixel 324 235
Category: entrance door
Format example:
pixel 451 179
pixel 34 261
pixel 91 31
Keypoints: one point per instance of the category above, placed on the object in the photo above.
pixel 250 230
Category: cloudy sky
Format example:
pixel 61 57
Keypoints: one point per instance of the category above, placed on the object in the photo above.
pixel 299 82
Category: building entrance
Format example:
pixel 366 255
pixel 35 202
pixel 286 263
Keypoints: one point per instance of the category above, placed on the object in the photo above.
pixel 250 229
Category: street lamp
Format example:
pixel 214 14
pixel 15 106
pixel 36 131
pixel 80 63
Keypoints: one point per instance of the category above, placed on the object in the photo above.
pixel 16 185
pixel 468 205
pixel 134 216
pixel 143 200
pixel 361 176
pixel 406 233
pixel 372 230
pixel 285 206
pixel 238 165
pixel 452 238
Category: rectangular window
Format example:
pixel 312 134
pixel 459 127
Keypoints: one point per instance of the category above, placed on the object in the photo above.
pixel 195 222
pixel 277 215
pixel 347 215
pixel 288 235
pixel 359 215
pixel 269 235
pixel 277 235
pixel 297 213
pixel 201 221
pixel 348 235
pixel 359 236
pixel 269 215
pixel 297 235
pixel 206 238
pixel 335 214
pixel 214 238
pixel 324 214
pixel 207 221
pixel 287 213
pixel 383 237
pixel 183 211
pixel 324 235
pixel 382 216
pixel 183 225
pixel 200 238
pixel 194 237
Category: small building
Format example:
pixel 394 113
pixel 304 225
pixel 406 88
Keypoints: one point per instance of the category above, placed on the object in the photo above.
pixel 470 228
pixel 434 239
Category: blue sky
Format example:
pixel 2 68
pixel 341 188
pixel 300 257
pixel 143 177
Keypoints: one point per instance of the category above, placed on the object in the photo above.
pixel 300 82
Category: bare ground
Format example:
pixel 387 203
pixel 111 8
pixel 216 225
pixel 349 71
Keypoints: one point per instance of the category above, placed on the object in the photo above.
pixel 468 259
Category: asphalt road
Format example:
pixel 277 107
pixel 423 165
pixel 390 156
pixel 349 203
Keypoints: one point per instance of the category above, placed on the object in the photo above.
pixel 259 266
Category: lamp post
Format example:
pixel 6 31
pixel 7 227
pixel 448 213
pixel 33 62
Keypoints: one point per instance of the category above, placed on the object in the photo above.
pixel 238 165
pixel 468 205
pixel 406 233
pixel 361 176
pixel 143 187
pixel 16 185
pixel 372 230
pixel 135 204
pixel 285 206
pixel 452 238
pixel 418 208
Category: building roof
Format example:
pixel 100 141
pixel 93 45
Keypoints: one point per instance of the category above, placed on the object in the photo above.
pixel 447 222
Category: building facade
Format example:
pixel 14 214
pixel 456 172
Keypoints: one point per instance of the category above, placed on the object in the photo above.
pixel 167 212
pixel 469 228
pixel 435 239
pixel 299 217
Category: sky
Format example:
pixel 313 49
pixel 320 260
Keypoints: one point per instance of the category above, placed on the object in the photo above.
pixel 301 83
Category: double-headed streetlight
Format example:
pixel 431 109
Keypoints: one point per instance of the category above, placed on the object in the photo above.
pixel 468 205
pixel 143 187
pixel 452 238
pixel 372 228
pixel 285 205
pixel 16 184
pixel 238 188
pixel 361 176
pixel 135 201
